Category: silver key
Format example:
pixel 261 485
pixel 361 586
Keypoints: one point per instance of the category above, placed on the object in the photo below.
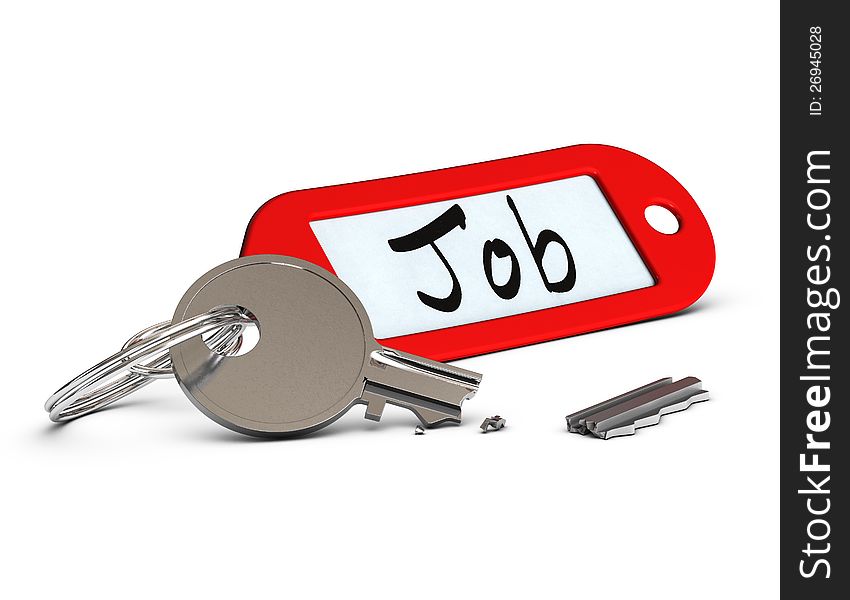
pixel 316 356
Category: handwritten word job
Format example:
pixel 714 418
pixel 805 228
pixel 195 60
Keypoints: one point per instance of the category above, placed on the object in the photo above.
pixel 453 218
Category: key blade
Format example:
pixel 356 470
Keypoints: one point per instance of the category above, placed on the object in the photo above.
pixel 653 418
pixel 639 408
pixel 576 422
pixel 433 391
pixel 427 366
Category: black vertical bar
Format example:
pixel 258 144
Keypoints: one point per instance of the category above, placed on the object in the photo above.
pixel 814 361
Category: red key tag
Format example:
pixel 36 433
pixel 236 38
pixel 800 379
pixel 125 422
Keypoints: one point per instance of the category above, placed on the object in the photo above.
pixel 495 255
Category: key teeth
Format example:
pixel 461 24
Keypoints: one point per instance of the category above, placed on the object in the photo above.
pixel 376 400
pixel 619 432
pixel 655 419
pixel 440 419
pixel 428 418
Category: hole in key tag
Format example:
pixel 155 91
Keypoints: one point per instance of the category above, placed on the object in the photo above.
pixel 501 254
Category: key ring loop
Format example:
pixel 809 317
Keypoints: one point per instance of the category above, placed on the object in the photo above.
pixel 144 358
pixel 225 341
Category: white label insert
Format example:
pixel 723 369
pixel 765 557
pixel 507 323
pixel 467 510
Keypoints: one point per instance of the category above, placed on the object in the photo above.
pixel 478 258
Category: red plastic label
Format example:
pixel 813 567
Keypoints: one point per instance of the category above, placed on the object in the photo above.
pixel 484 257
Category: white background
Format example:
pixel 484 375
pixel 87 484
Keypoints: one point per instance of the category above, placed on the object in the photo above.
pixel 135 144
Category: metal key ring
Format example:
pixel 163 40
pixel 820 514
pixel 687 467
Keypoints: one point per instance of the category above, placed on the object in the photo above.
pixel 98 387
pixel 226 341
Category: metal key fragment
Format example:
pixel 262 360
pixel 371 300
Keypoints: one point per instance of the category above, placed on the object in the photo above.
pixel 494 423
pixel 641 407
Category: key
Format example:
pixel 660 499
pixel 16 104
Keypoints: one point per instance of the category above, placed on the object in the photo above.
pixel 316 356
